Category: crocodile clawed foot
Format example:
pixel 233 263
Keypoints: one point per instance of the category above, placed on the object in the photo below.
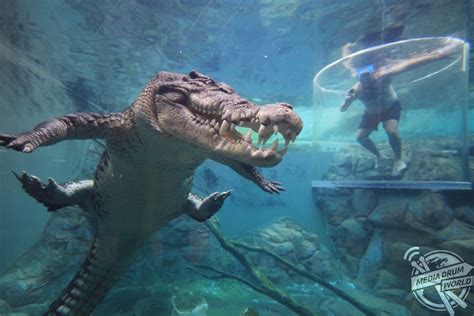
pixel 6 139
pixel 272 186
pixel 50 195
pixel 212 204
pixel 219 196
pixel 22 142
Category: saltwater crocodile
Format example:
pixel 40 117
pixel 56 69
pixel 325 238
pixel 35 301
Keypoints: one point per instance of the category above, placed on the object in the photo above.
pixel 144 177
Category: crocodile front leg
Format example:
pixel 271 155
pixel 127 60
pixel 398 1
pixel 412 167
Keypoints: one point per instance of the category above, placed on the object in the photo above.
pixel 72 126
pixel 252 174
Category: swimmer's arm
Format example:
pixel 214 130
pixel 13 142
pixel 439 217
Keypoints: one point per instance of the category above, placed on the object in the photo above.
pixel 350 97
pixel 416 61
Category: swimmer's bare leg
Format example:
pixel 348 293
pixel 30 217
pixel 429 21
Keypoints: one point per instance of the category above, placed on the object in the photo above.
pixel 367 143
pixel 391 127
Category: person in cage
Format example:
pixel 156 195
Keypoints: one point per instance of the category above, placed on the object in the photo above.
pixel 375 91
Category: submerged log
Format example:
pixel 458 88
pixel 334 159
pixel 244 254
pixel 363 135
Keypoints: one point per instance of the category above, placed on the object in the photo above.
pixel 341 293
pixel 265 285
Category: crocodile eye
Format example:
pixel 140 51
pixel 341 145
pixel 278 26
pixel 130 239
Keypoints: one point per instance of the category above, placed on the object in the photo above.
pixel 225 88
pixel 174 95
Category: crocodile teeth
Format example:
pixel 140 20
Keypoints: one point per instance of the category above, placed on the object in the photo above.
pixel 206 122
pixel 227 116
pixel 248 137
pixel 225 126
pixel 261 129
pixel 275 129
pixel 251 114
pixel 262 140
pixel 221 145
pixel 257 153
pixel 283 151
pixel 235 117
pixel 274 145
pixel 213 122
pixel 232 127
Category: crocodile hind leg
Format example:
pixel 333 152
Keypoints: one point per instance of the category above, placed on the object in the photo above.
pixel 108 258
pixel 203 209
pixel 56 196
pixel 252 174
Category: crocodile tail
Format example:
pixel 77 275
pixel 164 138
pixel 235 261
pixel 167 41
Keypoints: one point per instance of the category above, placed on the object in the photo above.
pixel 107 260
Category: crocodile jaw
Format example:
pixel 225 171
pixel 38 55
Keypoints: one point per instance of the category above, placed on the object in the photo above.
pixel 212 127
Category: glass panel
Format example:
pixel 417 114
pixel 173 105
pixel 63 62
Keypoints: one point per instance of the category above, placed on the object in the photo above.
pixel 378 102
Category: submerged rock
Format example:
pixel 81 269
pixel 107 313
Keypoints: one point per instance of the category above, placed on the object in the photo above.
pixel 403 218
pixel 387 280
pixel 335 209
pixel 5 308
pixel 157 304
pixel 390 209
pixel 33 309
pixel 431 210
pixel 295 244
pixel 250 312
pixel 48 266
pixel 121 300
pixel 364 202
pixel 188 304
pixel 351 236
pixel 465 213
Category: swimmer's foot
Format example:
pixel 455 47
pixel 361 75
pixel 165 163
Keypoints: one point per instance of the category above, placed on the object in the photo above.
pixel 398 167
pixel 378 162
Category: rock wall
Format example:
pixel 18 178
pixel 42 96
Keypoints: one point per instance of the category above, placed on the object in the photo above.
pixel 372 229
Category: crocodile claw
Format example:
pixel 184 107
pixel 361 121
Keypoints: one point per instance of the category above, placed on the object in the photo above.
pixel 50 194
pixel 20 142
pixel 212 204
pixel 272 186
pixel 6 139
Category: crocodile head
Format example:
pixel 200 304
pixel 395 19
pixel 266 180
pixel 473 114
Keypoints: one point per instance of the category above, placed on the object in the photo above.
pixel 211 116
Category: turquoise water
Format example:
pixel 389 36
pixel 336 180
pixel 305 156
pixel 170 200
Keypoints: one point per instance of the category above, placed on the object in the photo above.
pixel 71 56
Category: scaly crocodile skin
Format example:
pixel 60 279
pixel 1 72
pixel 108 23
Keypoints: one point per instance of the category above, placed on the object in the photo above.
pixel 145 176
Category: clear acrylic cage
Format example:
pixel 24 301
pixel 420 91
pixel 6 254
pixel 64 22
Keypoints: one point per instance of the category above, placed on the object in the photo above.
pixel 433 126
